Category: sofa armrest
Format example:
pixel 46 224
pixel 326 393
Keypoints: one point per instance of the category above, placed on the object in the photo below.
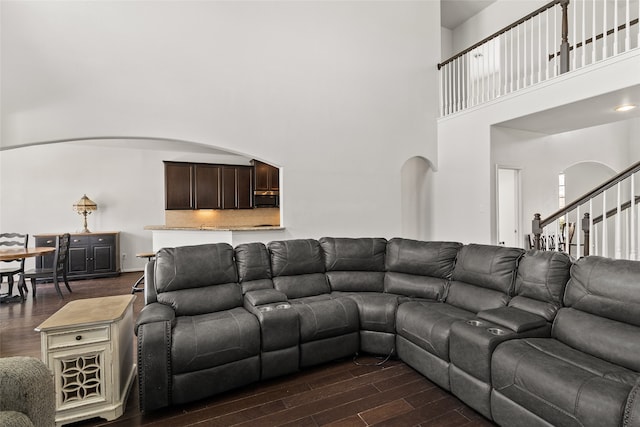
pixel 513 318
pixel 26 387
pixel 149 283
pixel 155 312
pixel 264 296
pixel 153 328
pixel 632 409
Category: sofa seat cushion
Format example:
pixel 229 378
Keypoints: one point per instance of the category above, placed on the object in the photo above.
pixel 213 339
pixel 377 311
pixel 560 384
pixel 428 324
pixel 326 318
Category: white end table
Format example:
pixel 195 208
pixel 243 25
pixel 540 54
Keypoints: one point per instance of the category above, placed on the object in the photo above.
pixel 88 346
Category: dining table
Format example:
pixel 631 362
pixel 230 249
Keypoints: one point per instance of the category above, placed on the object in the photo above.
pixel 17 254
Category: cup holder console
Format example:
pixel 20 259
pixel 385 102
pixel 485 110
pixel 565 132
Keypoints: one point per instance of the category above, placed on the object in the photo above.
pixel 280 306
pixel 497 331
pixel 475 322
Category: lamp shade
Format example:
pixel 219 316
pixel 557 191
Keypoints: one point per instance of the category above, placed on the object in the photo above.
pixel 85 204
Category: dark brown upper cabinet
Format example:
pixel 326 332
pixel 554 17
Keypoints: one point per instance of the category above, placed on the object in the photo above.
pixel 208 186
pixel 237 187
pixel 208 179
pixel 178 185
pixel 267 177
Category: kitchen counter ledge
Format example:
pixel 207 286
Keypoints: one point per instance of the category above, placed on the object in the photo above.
pixel 216 228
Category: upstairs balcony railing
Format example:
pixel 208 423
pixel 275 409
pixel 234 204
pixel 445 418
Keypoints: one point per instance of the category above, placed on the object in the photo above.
pixel 561 36
pixel 604 222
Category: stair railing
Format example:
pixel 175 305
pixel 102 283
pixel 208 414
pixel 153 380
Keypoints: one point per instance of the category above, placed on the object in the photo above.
pixel 536 48
pixel 599 230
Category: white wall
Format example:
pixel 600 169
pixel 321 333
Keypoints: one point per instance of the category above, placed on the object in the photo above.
pixel 338 94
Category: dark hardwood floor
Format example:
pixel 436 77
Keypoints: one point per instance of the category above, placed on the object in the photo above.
pixel 340 393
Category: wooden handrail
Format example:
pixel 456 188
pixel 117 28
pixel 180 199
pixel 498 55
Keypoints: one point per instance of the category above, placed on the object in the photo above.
pixel 612 212
pixel 591 194
pixel 598 37
pixel 504 30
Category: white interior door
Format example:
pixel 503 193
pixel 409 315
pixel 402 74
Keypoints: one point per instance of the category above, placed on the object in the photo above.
pixel 508 200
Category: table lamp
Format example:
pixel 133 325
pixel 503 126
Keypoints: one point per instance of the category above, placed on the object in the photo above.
pixel 85 206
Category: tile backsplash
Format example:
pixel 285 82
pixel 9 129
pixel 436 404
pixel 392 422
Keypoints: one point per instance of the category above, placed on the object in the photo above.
pixel 222 218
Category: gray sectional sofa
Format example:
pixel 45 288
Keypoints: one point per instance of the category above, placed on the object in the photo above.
pixel 525 338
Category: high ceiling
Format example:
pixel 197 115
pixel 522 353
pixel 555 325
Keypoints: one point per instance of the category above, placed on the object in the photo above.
pixel 455 12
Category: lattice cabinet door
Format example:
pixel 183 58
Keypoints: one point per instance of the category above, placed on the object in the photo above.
pixel 80 376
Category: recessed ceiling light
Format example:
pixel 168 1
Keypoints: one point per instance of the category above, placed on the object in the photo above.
pixel 625 107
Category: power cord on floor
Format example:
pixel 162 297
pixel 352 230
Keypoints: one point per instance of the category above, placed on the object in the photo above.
pixel 380 363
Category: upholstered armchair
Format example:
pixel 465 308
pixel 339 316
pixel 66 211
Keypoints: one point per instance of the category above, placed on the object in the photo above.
pixel 27 396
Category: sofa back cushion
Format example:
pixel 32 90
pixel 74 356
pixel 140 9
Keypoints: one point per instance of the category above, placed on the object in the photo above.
pixel 297 267
pixel 483 277
pixel 254 266
pixel 602 314
pixel 540 282
pixel 419 269
pixel 197 279
pixel 354 265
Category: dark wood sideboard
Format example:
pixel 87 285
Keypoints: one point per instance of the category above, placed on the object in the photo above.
pixel 91 255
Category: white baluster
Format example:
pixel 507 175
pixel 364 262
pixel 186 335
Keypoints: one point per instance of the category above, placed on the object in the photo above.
pixel 440 77
pixel 556 41
pixel 592 235
pixel 618 222
pixel 593 37
pixel 540 48
pixel 627 35
pixel 615 27
pixel 574 39
pixel 604 223
pixel 511 57
pixel 604 31
pixel 584 33
pixel 632 215
pixel 546 54
pixel 578 233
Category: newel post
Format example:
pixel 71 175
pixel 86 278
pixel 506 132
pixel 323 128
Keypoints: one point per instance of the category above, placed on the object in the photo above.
pixel 536 230
pixel 564 45
pixel 585 229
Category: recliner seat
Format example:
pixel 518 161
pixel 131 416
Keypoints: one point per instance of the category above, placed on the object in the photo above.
pixel 584 373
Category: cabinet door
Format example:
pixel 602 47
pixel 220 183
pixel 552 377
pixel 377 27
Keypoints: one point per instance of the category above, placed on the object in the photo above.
pixel 208 180
pixel 244 187
pixel 178 184
pixel 229 180
pixel 274 178
pixel 267 177
pixel 79 255
pixel 103 256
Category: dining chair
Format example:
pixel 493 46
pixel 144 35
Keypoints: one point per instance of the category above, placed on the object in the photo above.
pixel 17 240
pixel 58 269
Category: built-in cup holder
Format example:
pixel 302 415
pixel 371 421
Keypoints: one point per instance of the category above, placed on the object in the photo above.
pixel 265 308
pixel 497 331
pixel 475 323
pixel 283 306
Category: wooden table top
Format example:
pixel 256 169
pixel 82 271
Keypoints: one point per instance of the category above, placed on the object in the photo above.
pixel 88 311
pixel 14 254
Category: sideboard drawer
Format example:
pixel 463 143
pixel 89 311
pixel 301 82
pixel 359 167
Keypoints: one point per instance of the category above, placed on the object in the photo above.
pixel 85 336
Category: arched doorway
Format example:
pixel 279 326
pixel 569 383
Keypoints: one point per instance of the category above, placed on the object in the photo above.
pixel 416 195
